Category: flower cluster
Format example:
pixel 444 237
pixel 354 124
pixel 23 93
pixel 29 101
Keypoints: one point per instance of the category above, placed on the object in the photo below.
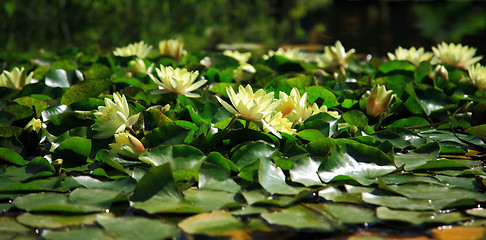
pixel 413 55
pixel 140 49
pixel 280 115
pixel 291 53
pixel 15 79
pixel 244 72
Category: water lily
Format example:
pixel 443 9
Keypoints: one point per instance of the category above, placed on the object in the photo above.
pixel 291 53
pixel 34 124
pixel 413 55
pixel 294 107
pixel 140 49
pixel 171 47
pixel 178 81
pixel 477 73
pixel 240 57
pixel 324 109
pixel 335 56
pixel 378 100
pixel 127 146
pixel 456 55
pixel 279 123
pixel 114 117
pixel 15 79
pixel 138 66
pixel 251 106
pixel 243 73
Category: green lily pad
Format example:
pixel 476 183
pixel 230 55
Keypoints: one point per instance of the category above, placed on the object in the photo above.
pixel 134 227
pixel 300 217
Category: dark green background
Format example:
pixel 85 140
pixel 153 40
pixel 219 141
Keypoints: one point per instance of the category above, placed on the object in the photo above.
pixel 375 27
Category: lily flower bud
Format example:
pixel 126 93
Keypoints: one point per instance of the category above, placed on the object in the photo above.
pixel 127 145
pixel 378 101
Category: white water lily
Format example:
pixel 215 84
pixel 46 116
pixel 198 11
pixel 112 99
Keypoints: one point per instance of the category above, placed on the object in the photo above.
pixel 324 109
pixel 335 56
pixel 140 49
pixel 138 66
pixel 290 53
pixel 15 79
pixel 244 73
pixel 178 81
pixel 456 55
pixel 279 123
pixel 252 106
pixel 126 145
pixel 171 47
pixel 413 55
pixel 114 117
pixel 477 73
pixel 240 57
pixel 294 107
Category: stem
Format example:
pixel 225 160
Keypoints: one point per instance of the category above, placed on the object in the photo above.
pixel 247 124
pixel 426 126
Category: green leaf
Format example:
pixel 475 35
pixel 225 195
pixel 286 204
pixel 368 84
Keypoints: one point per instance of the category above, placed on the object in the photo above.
pixel 398 202
pixel 165 135
pixel 305 170
pixel 215 174
pixel 157 181
pixel 478 131
pixel 358 161
pixel 133 227
pixel 216 223
pixel 345 213
pixel 80 201
pixel 58 221
pixel 310 134
pixel 65 121
pixel 76 234
pixel 19 111
pixel 60 78
pixel 126 184
pixel 358 119
pixel 272 179
pixel 420 156
pixel 415 217
pixel 209 200
pixel 316 92
pixel 395 66
pixel 10 156
pixel 83 90
pixel 252 152
pixel 34 103
pixel 300 217
pixel 181 157
pixel 433 192
pixel 73 151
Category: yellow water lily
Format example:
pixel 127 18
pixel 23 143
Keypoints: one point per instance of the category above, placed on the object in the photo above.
pixel 240 57
pixel 126 145
pixel 178 81
pixel 15 79
pixel 456 55
pixel 279 123
pixel 171 47
pixel 251 106
pixel 290 53
pixel 413 55
pixel 140 49
pixel 335 56
pixel 114 117
pixel 378 100
pixel 477 73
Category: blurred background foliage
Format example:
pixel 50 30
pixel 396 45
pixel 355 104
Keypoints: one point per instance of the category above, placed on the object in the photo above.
pixel 374 27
